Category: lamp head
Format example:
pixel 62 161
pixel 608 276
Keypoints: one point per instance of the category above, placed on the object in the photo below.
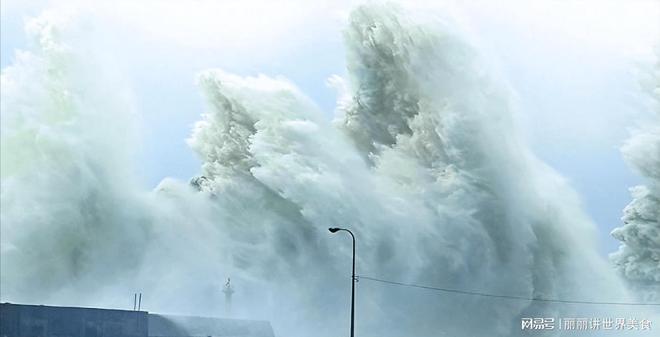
pixel 334 230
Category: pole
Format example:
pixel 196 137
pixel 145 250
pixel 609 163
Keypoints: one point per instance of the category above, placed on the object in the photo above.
pixel 353 289
pixel 353 279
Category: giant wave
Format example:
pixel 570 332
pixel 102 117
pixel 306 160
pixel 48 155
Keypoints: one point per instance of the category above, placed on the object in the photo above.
pixel 423 160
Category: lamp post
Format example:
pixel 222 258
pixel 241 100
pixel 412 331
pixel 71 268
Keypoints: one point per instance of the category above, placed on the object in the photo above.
pixel 335 230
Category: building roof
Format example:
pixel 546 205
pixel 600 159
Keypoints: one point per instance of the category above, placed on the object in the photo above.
pixel 171 326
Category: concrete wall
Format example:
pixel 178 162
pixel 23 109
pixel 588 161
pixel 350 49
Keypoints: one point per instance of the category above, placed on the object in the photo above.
pixel 45 321
pixel 18 320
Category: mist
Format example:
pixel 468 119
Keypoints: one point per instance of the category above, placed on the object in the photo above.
pixel 425 159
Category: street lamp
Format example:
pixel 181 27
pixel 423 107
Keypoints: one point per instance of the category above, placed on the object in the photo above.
pixel 353 279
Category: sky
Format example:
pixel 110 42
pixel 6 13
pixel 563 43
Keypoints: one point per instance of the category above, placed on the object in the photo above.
pixel 572 65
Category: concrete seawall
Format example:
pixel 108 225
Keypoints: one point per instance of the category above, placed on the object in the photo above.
pixel 19 320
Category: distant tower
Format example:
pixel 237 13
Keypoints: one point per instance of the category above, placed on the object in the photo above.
pixel 228 291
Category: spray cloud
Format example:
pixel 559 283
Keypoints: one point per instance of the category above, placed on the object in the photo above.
pixel 423 162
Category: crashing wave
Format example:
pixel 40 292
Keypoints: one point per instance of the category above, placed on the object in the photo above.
pixel 422 162
pixel 638 257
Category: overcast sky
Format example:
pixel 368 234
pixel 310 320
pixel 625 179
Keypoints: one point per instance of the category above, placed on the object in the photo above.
pixel 572 64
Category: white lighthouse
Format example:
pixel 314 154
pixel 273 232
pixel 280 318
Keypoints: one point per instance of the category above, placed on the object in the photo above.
pixel 227 289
